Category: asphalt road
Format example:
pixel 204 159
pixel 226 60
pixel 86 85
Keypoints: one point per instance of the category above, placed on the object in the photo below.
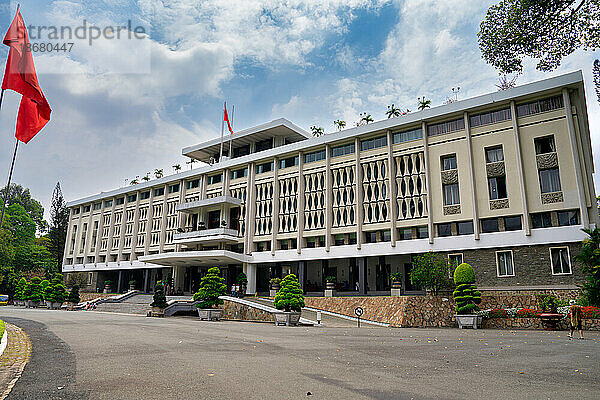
pixel 131 357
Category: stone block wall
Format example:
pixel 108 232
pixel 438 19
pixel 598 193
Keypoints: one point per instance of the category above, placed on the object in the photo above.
pixel 535 323
pixel 521 298
pixel 241 312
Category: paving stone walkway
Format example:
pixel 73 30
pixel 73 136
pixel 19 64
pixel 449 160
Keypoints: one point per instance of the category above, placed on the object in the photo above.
pixel 13 360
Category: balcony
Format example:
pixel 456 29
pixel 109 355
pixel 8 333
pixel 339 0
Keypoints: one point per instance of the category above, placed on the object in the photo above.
pixel 196 206
pixel 207 236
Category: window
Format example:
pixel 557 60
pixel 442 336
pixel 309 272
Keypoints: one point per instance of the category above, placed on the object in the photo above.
pixel 239 173
pixel 444 230
pixel 451 195
pixel 497 188
pixel 174 188
pixel 489 225
pixel 448 162
pixel 338 240
pixel 566 218
pixel 86 209
pixel 263 246
pixel 386 236
pixel 241 151
pixel 76 210
pixel 512 223
pixel 159 192
pixel 288 162
pixel 494 154
pixel 504 262
pixel 131 198
pixel 265 167
pixel 108 203
pixel 97 206
pixel 561 262
pixel 120 201
pixel 352 238
pixel 342 150
pixel 492 117
pixel 314 156
pixel 401 137
pixel 465 228
pixel 549 180
pixel 446 127
pixel 370 144
pixel 264 144
pixel 283 245
pixel 90 278
pixel 311 242
pixel 145 195
pixel 370 237
pixel 404 234
pixel 536 107
pixel 215 179
pixel 192 184
pixel 455 259
pixel 541 220
pixel 544 145
pixel 422 232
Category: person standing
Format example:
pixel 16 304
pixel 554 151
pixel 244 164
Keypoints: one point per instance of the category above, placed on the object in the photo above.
pixel 576 317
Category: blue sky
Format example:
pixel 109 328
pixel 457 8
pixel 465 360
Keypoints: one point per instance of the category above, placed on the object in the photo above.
pixel 309 61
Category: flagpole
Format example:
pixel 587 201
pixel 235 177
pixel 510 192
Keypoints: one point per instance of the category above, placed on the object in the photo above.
pixel 230 138
pixel 222 126
pixel 10 173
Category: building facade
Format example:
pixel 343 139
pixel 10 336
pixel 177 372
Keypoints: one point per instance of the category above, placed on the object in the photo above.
pixel 502 181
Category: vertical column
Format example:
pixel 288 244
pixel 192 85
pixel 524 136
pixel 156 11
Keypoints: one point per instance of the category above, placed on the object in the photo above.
pixel 119 281
pixel 88 233
pixel 251 275
pixel 99 235
pixel 328 198
pixel 149 220
pixel 359 195
pixel 275 205
pixel 427 183
pixel 163 222
pixel 69 233
pixel 136 221
pixel 146 281
pixel 472 176
pixel 393 192
pixel 302 273
pixel 362 275
pixel 78 234
pixel 301 200
pixel 122 231
pixel 181 217
pixel 251 210
pixel 575 154
pixel 513 113
pixel 111 229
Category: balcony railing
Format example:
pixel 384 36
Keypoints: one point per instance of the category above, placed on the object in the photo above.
pixel 207 235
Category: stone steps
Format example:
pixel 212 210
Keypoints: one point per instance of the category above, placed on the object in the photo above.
pixel 125 308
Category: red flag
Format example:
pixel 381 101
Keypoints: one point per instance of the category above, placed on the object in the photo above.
pixel 226 119
pixel 20 76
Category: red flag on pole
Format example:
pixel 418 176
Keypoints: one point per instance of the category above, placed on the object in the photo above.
pixel 20 76
pixel 226 119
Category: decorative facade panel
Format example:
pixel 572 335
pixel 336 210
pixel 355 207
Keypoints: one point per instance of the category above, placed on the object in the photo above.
pixel 288 205
pixel 264 209
pixel 411 186
pixel 314 201
pixel 240 193
pixel 375 191
pixel 344 196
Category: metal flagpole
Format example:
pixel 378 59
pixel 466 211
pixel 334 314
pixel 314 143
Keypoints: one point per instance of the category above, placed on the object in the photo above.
pixel 11 170
pixel 231 133
pixel 222 122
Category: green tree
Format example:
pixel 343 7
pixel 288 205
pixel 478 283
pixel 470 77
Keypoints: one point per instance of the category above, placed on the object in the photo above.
pixel 430 271
pixel 59 222
pixel 56 291
pixel 34 290
pixel 19 195
pixel 392 112
pixel 466 295
pixel 423 103
pixel 20 289
pixel 339 124
pixel 74 295
pixel 159 299
pixel 544 30
pixel 290 295
pixel 211 287
pixel 589 257
pixel 316 131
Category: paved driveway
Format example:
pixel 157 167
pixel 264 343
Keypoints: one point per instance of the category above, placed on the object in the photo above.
pixel 132 357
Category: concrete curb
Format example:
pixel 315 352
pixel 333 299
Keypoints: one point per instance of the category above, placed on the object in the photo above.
pixel 3 341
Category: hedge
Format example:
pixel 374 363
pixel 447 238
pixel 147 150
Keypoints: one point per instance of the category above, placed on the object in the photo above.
pixel 2 327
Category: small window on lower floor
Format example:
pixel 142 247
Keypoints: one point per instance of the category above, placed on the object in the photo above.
pixel 386 236
pixel 90 278
pixel 465 228
pixel 352 238
pixel 541 220
pixel 504 262
pixel 370 237
pixel 454 259
pixel 422 232
pixel 561 262
pixel 489 225
pixel 404 234
pixel 566 218
pixel 512 223
pixel 444 230
pixel 339 240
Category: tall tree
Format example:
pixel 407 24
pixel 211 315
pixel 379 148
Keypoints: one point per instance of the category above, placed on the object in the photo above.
pixel 59 221
pixel 19 195
pixel 544 30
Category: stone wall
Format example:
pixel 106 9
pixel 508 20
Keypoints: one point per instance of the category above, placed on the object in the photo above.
pixel 241 312
pixel 521 298
pixel 535 323
pixel 87 296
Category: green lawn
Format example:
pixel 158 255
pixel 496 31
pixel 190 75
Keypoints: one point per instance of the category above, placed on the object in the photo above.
pixel 1 328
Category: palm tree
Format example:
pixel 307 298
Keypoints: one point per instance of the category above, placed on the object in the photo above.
pixel 191 162
pixel 339 124
pixel 316 130
pixel 177 168
pixel 146 177
pixel 392 112
pixel 158 173
pixel 134 181
pixel 423 103
pixel 366 118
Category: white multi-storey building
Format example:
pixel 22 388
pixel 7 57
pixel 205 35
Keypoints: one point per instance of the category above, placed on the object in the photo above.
pixel 502 181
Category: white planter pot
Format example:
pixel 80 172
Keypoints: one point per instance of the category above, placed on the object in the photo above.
pixel 468 320
pixel 157 312
pixel 329 292
pixel 210 314
pixel 395 292
pixel 291 318
pixel 272 292
pixel 32 304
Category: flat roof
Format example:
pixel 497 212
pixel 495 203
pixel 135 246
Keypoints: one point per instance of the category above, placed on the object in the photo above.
pixel 279 127
pixel 519 93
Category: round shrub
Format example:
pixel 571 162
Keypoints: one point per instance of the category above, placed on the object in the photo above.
pixel 466 294
pixel 20 289
pixel 464 273
pixel 34 290
pixel 74 295
pixel 211 287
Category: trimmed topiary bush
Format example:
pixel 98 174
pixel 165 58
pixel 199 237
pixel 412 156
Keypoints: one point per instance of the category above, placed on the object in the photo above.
pixel 74 295
pixel 20 289
pixel 159 299
pixel 290 296
pixel 466 294
pixel 34 290
pixel 211 287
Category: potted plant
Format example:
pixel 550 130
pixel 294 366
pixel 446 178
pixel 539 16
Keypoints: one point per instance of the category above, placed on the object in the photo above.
pixel 290 299
pixel 55 293
pixel 242 280
pixel 107 284
pixel 19 298
pixel 396 283
pixel 330 286
pixel 211 287
pixel 132 285
pixel 202 225
pixel 159 301
pixel 275 282
pixel 466 296
pixel 34 292
pixel 73 298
